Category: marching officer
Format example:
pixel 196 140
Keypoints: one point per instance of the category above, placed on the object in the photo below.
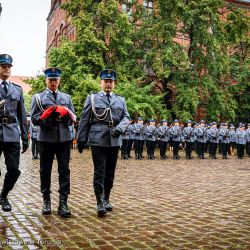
pixel 150 133
pixel 225 140
pixel 188 136
pixel 139 138
pixel 213 137
pixel 176 134
pixel 241 139
pixel 163 135
pixel 104 118
pixel 53 111
pixel 12 117
pixel 34 144
pixel 201 139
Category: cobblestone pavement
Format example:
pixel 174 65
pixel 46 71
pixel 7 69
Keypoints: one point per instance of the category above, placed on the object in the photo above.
pixel 160 204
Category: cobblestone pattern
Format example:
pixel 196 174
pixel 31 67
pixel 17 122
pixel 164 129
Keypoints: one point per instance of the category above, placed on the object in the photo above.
pixel 160 204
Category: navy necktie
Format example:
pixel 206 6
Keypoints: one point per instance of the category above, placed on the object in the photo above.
pixel 54 94
pixel 108 96
pixel 5 87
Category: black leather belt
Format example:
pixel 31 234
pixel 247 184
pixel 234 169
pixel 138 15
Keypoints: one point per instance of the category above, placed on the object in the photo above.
pixel 109 123
pixel 6 120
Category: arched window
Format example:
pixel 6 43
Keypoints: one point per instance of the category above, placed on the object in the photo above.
pixel 149 6
pixel 127 6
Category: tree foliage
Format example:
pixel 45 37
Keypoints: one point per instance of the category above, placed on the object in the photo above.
pixel 143 49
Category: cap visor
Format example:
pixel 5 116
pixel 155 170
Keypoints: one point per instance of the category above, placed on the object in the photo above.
pixel 53 77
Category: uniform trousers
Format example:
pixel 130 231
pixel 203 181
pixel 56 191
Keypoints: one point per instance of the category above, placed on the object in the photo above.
pixel 11 151
pixel 213 148
pixel 150 147
pixel 104 159
pixel 130 145
pixel 47 152
pixel 224 148
pixel 138 146
pixel 200 148
pixel 240 150
pixel 248 148
pixel 34 147
pixel 163 147
pixel 189 148
pixel 176 145
pixel 124 148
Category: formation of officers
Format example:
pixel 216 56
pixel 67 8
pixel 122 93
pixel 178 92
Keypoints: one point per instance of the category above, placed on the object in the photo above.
pixel 104 125
pixel 199 137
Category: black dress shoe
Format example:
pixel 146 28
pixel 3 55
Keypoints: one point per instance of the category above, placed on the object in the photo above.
pixel 101 210
pixel 6 207
pixel 46 207
pixel 108 206
pixel 63 210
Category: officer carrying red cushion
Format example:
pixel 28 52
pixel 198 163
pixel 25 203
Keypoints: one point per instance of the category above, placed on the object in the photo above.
pixel 53 111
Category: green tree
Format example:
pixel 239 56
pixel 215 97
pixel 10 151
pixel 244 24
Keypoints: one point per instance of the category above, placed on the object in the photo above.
pixel 142 48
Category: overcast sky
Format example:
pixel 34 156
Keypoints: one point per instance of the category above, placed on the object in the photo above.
pixel 23 30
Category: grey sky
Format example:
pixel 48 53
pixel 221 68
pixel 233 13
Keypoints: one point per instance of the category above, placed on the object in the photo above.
pixel 23 35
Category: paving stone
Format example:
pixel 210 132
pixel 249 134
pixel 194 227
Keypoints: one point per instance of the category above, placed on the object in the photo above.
pixel 196 204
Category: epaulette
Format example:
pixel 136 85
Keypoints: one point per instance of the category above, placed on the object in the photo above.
pixel 93 92
pixel 16 85
pixel 120 95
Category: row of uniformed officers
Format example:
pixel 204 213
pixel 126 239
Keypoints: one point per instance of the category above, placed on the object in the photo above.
pixel 200 137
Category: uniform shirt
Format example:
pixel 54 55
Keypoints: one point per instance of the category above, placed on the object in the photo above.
pixel 213 135
pixel 13 112
pixel 201 134
pixel 58 131
pixel 248 134
pixel 176 133
pixel 150 133
pixel 224 135
pixel 95 128
pixel 187 134
pixel 241 137
pixel 125 134
pixel 138 130
pixel 131 131
pixel 163 133
pixel 232 135
pixel 33 131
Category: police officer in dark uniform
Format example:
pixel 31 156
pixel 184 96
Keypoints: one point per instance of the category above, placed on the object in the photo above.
pixel 12 116
pixel 33 136
pixel 104 118
pixel 187 133
pixel 139 138
pixel 53 111
pixel 125 142
pixel 176 134
pixel 163 135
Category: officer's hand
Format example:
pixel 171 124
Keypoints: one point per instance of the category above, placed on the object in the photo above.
pixel 25 146
pixel 81 145
pixel 117 132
